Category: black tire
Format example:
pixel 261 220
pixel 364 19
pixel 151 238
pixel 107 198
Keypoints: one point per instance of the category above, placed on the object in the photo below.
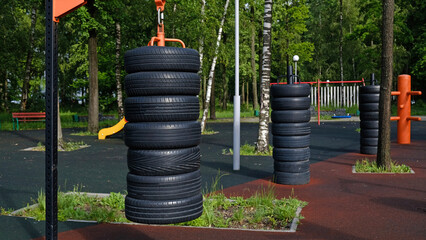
pixel 369 107
pixel 162 83
pixel 163 162
pixel 164 187
pixel 162 135
pixel 291 154
pixel 291 141
pixel 369 141
pixel 291 103
pixel 291 116
pixel 170 206
pixel 369 98
pixel 161 108
pixel 164 212
pixel 291 129
pixel 369 89
pixel 290 90
pixel 366 116
pixel 369 133
pixel 369 124
pixel 291 167
pixel 155 58
pixel 291 178
pixel 370 150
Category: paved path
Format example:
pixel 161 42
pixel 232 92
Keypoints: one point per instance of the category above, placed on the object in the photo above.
pixel 342 205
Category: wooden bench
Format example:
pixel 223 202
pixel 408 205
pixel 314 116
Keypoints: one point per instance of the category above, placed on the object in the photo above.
pixel 27 117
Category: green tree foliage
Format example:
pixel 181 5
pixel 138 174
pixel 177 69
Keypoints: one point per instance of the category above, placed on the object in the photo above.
pixel 308 28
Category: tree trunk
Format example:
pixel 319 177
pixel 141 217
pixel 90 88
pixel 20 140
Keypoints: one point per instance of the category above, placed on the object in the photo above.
pixel 263 136
pixel 253 59
pixel 93 115
pixel 383 148
pixel 2 84
pixel 243 93
pixel 26 83
pixel 341 51
pixel 247 94
pixel 93 121
pixel 118 69
pixel 61 142
pixel 213 101
pixel 225 89
pixel 5 95
pixel 211 74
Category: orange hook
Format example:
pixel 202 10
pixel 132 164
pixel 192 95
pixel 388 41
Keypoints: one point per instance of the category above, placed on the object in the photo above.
pixel 160 4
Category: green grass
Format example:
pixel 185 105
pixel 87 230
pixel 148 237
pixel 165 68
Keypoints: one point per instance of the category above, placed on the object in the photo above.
pixel 68 146
pixel 208 131
pixel 81 206
pixel 248 150
pixel 261 211
pixel 84 133
pixel 368 166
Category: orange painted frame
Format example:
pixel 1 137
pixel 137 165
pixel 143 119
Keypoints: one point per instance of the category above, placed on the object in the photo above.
pixel 404 117
pixel 64 7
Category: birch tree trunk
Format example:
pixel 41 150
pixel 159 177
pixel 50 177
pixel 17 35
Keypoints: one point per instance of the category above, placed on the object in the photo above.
pixel 253 59
pixel 118 69
pixel 26 83
pixel 263 137
pixel 383 148
pixel 211 73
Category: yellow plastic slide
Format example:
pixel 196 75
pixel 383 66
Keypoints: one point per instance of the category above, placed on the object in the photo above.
pixel 103 133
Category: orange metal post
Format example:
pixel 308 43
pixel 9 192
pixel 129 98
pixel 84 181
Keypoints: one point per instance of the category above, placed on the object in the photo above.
pixel 404 109
pixel 63 7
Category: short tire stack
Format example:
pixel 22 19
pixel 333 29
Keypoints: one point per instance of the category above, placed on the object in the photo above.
pixel 163 135
pixel 369 116
pixel 291 133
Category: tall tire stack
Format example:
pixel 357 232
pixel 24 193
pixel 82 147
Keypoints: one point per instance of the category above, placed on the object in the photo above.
pixel 291 133
pixel 369 116
pixel 163 135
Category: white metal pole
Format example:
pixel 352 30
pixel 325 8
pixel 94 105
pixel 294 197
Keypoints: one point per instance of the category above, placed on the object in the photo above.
pixel 236 142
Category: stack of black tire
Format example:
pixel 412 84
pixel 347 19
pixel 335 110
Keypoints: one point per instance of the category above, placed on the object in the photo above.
pixel 369 116
pixel 163 135
pixel 291 133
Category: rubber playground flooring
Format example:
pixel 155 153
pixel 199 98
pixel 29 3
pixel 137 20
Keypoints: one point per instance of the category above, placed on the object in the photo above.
pixel 342 205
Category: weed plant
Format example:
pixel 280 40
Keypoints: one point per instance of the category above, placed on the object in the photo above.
pixel 248 150
pixel 367 166
pixel 68 146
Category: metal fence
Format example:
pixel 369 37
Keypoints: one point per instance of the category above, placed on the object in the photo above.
pixel 337 96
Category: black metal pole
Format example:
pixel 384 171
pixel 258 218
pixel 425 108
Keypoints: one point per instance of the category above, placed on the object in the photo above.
pixel 51 138
pixel 290 79
pixel 373 80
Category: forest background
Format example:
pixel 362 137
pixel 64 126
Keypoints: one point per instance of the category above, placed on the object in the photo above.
pixel 335 39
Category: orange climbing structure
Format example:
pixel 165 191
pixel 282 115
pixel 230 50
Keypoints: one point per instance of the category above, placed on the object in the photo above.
pixel 404 117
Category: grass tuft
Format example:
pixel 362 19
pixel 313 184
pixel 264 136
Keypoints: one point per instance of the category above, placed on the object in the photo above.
pixel 367 166
pixel 248 150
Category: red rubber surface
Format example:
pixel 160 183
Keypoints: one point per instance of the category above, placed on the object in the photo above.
pixel 342 205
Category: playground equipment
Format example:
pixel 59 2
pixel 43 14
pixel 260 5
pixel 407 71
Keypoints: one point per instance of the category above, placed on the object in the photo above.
pixel 55 9
pixel 112 130
pixel 404 117
pixel 162 133
pixel 369 116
